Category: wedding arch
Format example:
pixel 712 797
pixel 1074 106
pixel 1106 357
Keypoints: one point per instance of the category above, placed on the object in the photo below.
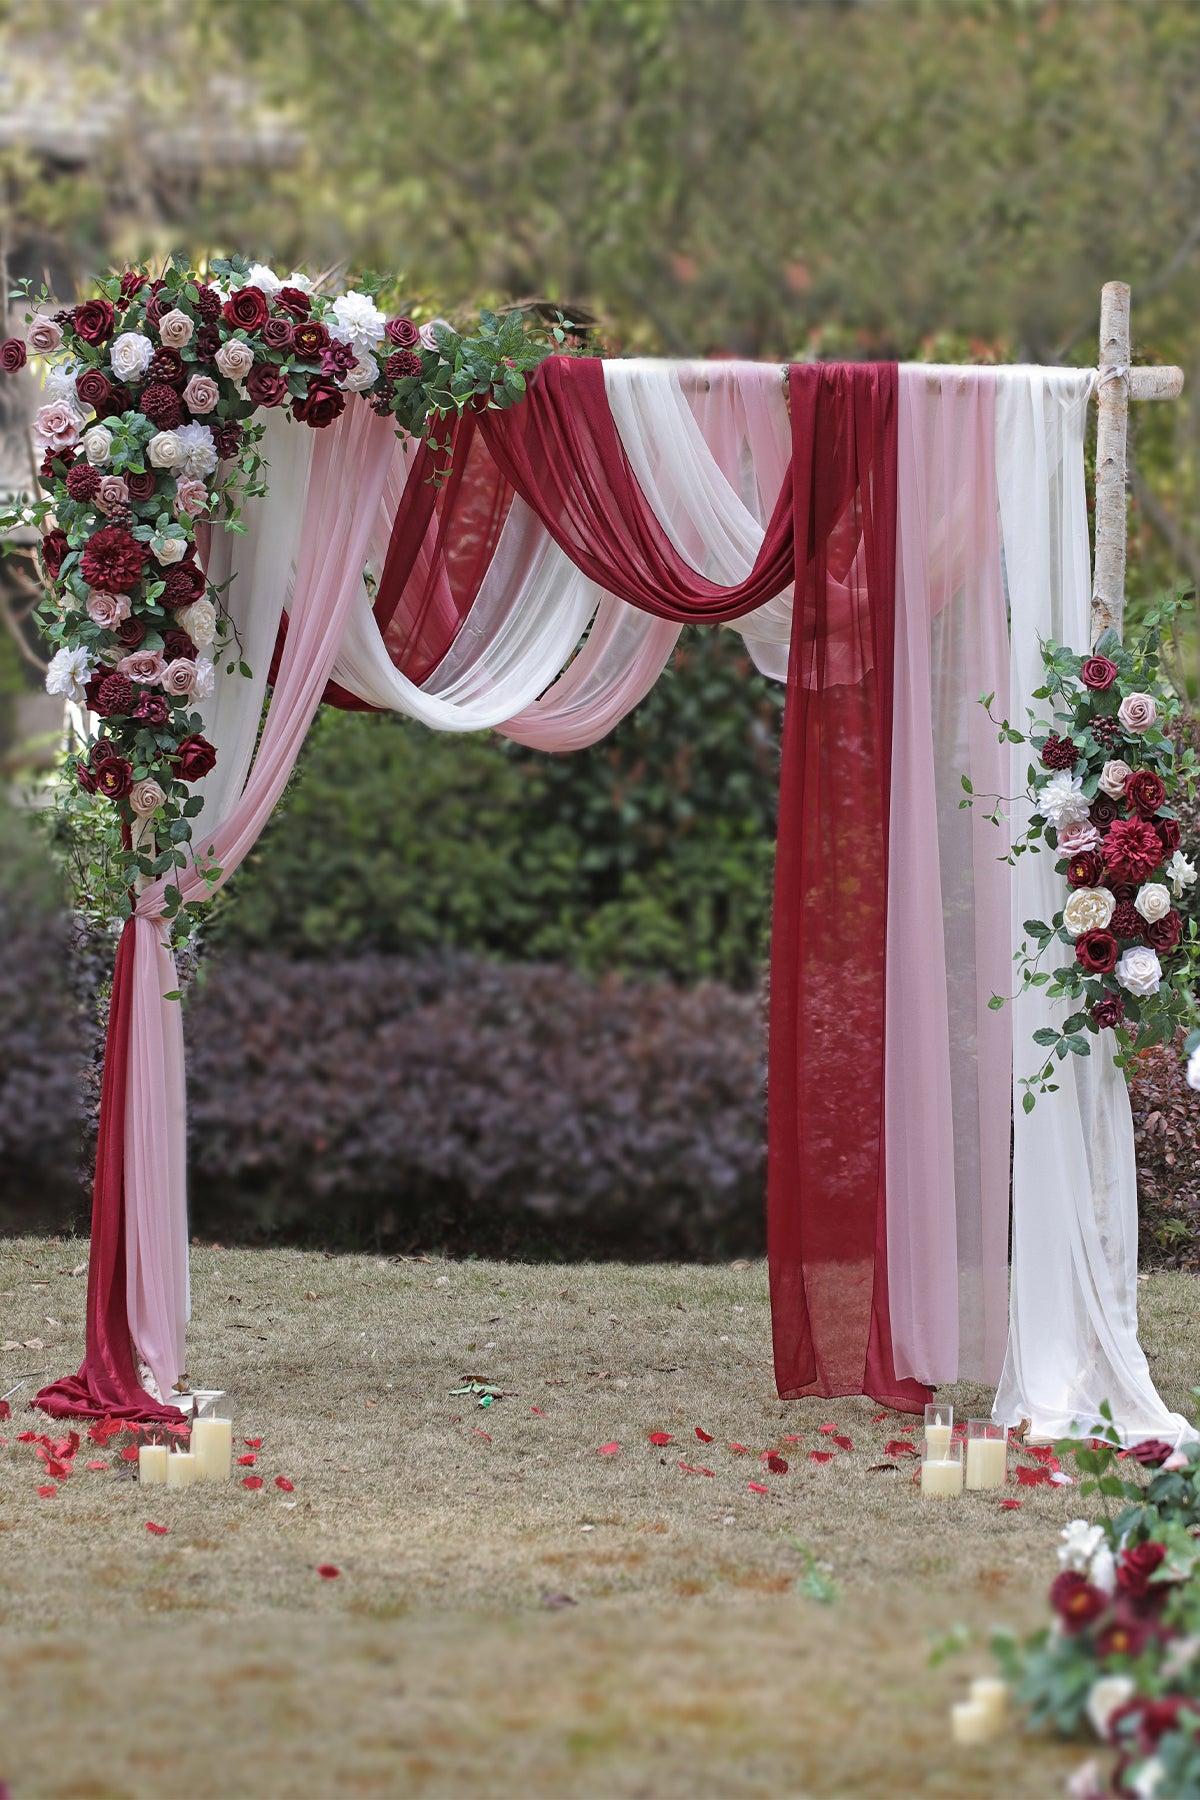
pixel 499 533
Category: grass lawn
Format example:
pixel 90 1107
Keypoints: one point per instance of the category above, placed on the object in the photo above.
pixel 515 1613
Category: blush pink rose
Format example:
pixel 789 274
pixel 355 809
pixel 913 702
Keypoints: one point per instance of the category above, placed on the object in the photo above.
pixel 235 359
pixel 146 797
pixel 57 425
pixel 113 491
pixel 144 666
pixel 1074 839
pixel 191 496
pixel 175 329
pixel 1137 712
pixel 179 677
pixel 201 394
pixel 107 610
pixel 44 335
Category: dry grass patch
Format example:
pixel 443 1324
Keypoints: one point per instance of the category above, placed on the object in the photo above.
pixel 515 1613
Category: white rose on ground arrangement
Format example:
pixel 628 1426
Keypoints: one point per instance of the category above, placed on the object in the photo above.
pixel 130 354
pixel 164 450
pixel 1088 909
pixel 1153 901
pixel 97 445
pixel 1061 801
pixel 1113 777
pixel 1104 1697
pixel 1139 971
pixel 1181 874
pixel 198 450
pixel 1193 1070
pixel 358 321
pixel 69 673
pixel 199 620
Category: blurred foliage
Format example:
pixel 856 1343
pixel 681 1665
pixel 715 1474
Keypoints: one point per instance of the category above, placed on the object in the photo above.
pixel 650 852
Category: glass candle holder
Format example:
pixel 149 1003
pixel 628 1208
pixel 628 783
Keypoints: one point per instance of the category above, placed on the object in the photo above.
pixel 942 1468
pixel 987 1454
pixel 939 1423
pixel 181 1469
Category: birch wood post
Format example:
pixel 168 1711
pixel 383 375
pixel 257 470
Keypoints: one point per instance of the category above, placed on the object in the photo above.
pixel 1117 384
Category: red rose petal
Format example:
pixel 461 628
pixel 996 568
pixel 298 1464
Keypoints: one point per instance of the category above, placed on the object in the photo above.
pixel 47 1493
pixel 1043 1453
pixel 706 1437
pixel 538 1410
pixel 758 1487
pixel 820 1456
pixel 247 1462
pixel 97 1465
pixel 129 1453
pixel 281 1481
pixel 794 1437
pixel 899 1447
pixel 776 1464
pixel 692 1469
pixel 5 1410
pixel 843 1443
pixel 828 1426
pixel 252 1481
pixel 29 1437
pixel 1032 1477
pixel 740 1449
pixel 659 1438
pixel 608 1449
pixel 328 1571
pixel 59 1470
pixel 158 1530
pixel 479 1432
pixel 879 1418
pixel 1009 1505
pixel 252 1443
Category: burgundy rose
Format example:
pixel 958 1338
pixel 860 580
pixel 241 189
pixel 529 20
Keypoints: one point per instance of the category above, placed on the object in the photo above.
pixel 93 387
pixel 1057 752
pixel 102 748
pixel 1108 1013
pixel 1122 890
pixel 12 356
pixel 141 487
pixel 322 404
pixel 83 482
pixel 1126 921
pixel 1151 1720
pixel 156 306
pixel 151 709
pixel 1164 934
pixel 1076 1601
pixel 114 694
pixel 1145 791
pixel 1132 849
pixel 55 464
pixel 114 778
pixel 93 320
pixel 130 633
pixel 113 561
pixel 1169 835
pixel 403 333
pixel 132 283
pixel 1136 1566
pixel 118 400
pixel 1097 673
pixel 246 309
pixel 208 342
pixel 166 365
pixel 85 778
pixel 1097 952
pixel 1103 811
pixel 195 755
pixel 178 643
pixel 54 552
pixel 295 301
pixel 1106 731
pixel 338 358
pixel 208 305
pixel 309 338
pixel 1085 869
pixel 1125 1636
pixel 162 406
pixel 266 385
pixel 226 437
pixel 183 584
pixel 277 334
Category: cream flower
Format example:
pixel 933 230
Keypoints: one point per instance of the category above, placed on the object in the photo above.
pixel 1061 801
pixel 175 329
pixel 1153 901
pixel 298 279
pixel 198 450
pixel 201 394
pixel 1104 1698
pixel 205 679
pixel 107 610
pixel 1137 712
pixel 358 321
pixel 1080 1542
pixel 1088 909
pixel 362 376
pixel 1074 839
pixel 164 450
pixel 1193 1070
pixel 130 354
pixel 266 280
pixel 1181 873
pixel 199 620
pixel 235 359
pixel 168 550
pixel 97 445
pixel 69 673
pixel 1113 777
pixel 1140 971
pixel 44 335
pixel 146 797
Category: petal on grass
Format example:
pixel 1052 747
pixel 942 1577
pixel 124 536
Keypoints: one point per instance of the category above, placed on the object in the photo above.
pixel 288 1487
pixel 97 1465
pixel 706 1437
pixel 47 1493
pixel 1009 1505
pixel 253 1482
pixel 659 1438
pixel 777 1464
pixel 758 1487
pixel 608 1449
pixel 247 1462
pixel 156 1529
pixel 328 1571
pixel 820 1456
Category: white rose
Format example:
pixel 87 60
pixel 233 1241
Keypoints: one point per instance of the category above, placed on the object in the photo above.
pixel 1061 801
pixel 1113 777
pixel 1181 873
pixel 130 354
pixel 1140 971
pixel 1104 1698
pixel 197 450
pixel 97 445
pixel 205 678
pixel 266 280
pixel 358 321
pixel 1193 1070
pixel 69 673
pixel 1153 901
pixel 1080 1542
pixel 1088 909
pixel 235 359
pixel 165 450
pixel 298 280
pixel 199 620
pixel 169 550
pixel 1102 1570
pixel 363 375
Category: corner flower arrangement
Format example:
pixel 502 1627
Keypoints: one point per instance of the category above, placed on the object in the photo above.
pixel 1106 773
pixel 149 431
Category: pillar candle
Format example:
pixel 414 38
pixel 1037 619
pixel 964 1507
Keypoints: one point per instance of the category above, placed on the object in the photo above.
pixel 938 1439
pixel 181 1469
pixel 971 1723
pixel 987 1462
pixel 990 1693
pixel 943 1480
pixel 212 1446
pixel 152 1464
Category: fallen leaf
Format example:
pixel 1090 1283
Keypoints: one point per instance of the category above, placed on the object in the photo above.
pixel 758 1487
pixel 281 1481
pixel 882 1468
pixel 328 1571
pixel 659 1438
pixel 33 1344
pixel 158 1530
pixel 10 1344
pixel 706 1437
pixel 608 1449
pixel 253 1482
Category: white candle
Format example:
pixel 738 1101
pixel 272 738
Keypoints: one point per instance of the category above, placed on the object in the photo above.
pixel 938 1439
pixel 990 1693
pixel 181 1469
pixel 987 1463
pixel 152 1464
pixel 942 1479
pixel 212 1446
pixel 971 1723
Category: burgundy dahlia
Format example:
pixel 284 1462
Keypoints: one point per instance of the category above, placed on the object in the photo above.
pixel 113 561
pixel 321 405
pixel 114 778
pixel 1097 673
pixel 277 334
pixel 166 365
pixel 54 547
pixel 12 356
pixel 208 305
pixel 1057 752
pixel 1126 921
pixel 246 309
pixel 1097 952
pixel 93 320
pixel 1085 869
pixel 1075 1600
pixel 295 301
pixel 266 385
pixel 114 694
pixel 1108 1013
pixel 152 709
pixel 93 387
pixel 83 482
pixel 1145 791
pixel 310 338
pixel 403 333
pixel 195 755
pixel 162 406
pixel 405 365
pixel 183 584
pixel 1132 849
pixel 1164 934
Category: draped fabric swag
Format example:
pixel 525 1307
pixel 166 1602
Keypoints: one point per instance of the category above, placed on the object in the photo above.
pixel 868 531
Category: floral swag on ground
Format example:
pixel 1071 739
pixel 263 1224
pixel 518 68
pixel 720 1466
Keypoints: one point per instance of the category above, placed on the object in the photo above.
pixel 146 437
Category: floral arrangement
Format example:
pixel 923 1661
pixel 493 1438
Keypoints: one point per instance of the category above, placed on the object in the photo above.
pixel 150 431
pixel 1121 1661
pixel 1102 789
